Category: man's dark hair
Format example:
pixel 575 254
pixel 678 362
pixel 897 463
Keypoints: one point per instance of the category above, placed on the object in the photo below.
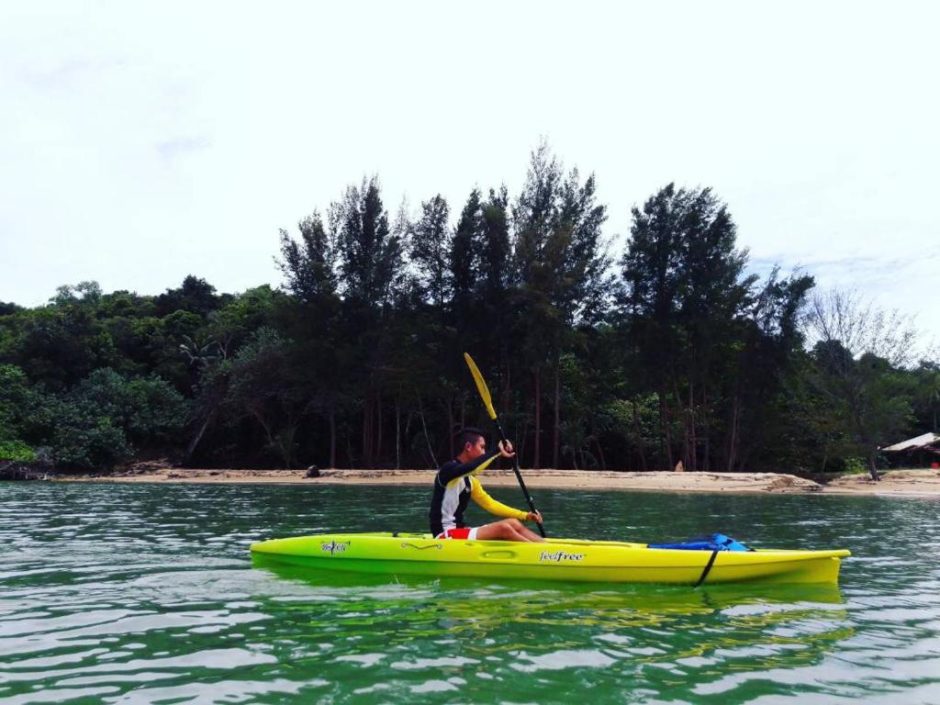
pixel 468 435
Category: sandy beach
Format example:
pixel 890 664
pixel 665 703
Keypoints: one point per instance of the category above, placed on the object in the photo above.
pixel 894 482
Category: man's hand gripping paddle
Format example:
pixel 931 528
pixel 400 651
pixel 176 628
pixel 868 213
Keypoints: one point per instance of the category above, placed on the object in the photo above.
pixel 488 403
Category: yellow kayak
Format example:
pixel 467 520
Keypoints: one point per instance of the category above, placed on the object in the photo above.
pixel 556 559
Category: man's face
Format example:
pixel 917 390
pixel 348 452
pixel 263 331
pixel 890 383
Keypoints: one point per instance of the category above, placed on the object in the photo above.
pixel 475 450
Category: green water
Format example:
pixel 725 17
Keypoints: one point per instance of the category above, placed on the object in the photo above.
pixel 146 594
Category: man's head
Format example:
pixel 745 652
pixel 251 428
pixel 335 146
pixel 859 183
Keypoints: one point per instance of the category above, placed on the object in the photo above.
pixel 471 442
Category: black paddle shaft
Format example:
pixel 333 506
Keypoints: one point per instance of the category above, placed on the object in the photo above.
pixel 515 467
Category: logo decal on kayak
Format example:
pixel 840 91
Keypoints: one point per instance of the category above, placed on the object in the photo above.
pixel 421 548
pixel 559 556
pixel 334 547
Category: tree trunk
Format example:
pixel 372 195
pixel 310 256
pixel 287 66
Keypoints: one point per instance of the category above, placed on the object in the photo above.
pixel 556 433
pixel 690 434
pixel 427 437
pixel 600 453
pixel 665 437
pixel 450 426
pixel 733 433
pixel 639 435
pixel 264 424
pixel 407 436
pixel 523 441
pixel 367 430
pixel 681 409
pixel 872 466
pixel 536 461
pixel 286 443
pixel 706 432
pixel 332 436
pixel 507 390
pixel 463 424
pixel 191 448
pixel 378 431
pixel 397 433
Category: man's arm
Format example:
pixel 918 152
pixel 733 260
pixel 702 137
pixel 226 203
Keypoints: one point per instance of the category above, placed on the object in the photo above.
pixel 452 471
pixel 480 496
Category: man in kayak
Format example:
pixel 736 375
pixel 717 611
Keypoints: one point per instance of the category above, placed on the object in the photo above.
pixel 455 485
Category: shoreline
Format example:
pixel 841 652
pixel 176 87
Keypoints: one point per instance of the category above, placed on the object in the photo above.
pixel 917 483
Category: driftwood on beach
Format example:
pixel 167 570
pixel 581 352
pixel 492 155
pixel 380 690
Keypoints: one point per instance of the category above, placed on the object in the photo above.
pixel 16 470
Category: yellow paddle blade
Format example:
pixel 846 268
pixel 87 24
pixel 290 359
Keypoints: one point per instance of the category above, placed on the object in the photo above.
pixel 481 386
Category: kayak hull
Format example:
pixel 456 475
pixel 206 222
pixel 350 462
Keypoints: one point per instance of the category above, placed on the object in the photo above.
pixel 565 560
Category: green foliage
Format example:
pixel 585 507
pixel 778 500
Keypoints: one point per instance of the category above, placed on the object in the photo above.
pixel 430 242
pixel 637 419
pixel 101 421
pixel 7 309
pixel 263 386
pixel 88 442
pixel 147 410
pixel 195 296
pixel 16 450
pixel 687 302
pixel 854 466
pixel 370 254
pixel 858 370
pixel 60 343
pixel 357 360
pixel 926 401
pixel 14 399
pixel 23 410
pixel 309 266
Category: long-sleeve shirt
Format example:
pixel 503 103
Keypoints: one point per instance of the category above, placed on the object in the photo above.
pixel 454 486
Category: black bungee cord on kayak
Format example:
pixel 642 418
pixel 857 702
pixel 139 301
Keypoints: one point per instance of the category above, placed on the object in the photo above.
pixel 714 543
pixel 708 568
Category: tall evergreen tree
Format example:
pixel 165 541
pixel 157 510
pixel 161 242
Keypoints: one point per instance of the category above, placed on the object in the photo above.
pixel 766 352
pixel 371 267
pixel 309 266
pixel 465 256
pixel 496 273
pixel 430 244
pixel 561 266
pixel 684 288
pixel 370 255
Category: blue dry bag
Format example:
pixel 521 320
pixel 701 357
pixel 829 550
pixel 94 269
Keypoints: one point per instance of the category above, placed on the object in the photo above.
pixel 712 542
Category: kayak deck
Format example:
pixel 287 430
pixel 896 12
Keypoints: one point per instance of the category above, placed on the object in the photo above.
pixel 570 560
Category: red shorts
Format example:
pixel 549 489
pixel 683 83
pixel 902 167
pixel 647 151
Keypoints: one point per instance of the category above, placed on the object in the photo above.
pixel 464 533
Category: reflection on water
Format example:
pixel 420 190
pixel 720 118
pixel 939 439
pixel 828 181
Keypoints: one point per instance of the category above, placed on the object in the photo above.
pixel 772 627
pixel 147 594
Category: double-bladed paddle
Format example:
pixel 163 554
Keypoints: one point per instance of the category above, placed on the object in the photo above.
pixel 488 403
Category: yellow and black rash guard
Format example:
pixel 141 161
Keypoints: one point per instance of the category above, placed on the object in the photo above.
pixel 454 486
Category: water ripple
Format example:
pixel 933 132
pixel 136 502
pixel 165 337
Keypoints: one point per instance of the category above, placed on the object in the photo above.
pixel 144 594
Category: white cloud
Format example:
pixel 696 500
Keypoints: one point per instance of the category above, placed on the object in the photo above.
pixel 141 143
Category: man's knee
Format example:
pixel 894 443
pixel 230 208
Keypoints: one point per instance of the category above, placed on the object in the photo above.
pixel 497 530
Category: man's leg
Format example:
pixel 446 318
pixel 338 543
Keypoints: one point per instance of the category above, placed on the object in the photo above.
pixel 528 533
pixel 507 530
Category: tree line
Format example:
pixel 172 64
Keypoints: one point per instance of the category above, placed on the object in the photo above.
pixel 669 350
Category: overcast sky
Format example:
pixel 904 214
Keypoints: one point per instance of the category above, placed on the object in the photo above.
pixel 142 142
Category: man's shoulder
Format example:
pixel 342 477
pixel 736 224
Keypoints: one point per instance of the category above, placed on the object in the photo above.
pixel 446 473
pixel 449 465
